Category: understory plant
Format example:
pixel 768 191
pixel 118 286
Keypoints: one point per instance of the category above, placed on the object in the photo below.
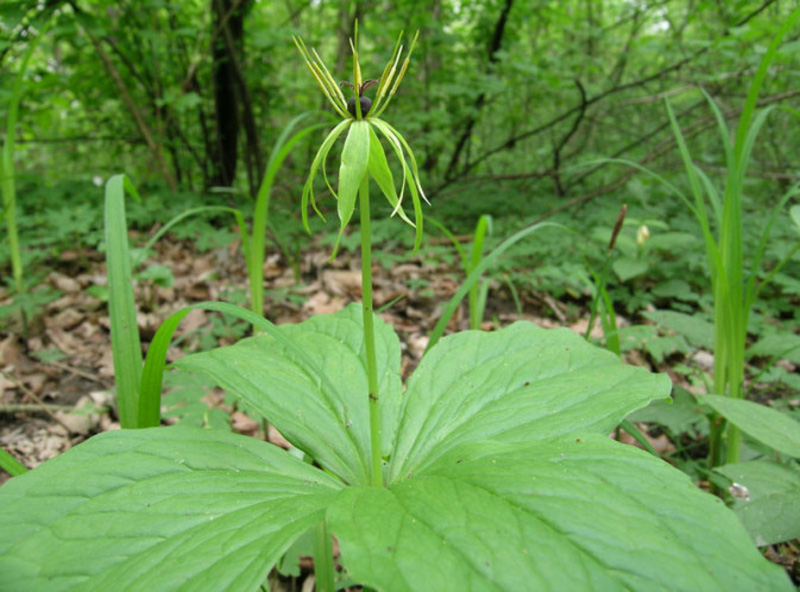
pixel 490 469
pixel 8 182
pixel 734 289
pixel 763 488
pixel 477 294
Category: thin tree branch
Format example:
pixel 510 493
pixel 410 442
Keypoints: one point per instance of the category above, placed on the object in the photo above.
pixel 560 146
pixel 141 124
pixel 662 148
pixel 510 142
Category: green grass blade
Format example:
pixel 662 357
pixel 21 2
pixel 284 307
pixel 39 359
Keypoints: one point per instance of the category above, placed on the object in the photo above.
pixel 456 243
pixel 724 132
pixel 749 142
pixel 476 274
pixel 758 79
pixel 712 192
pixel 753 289
pixel 514 295
pixel 699 208
pixel 255 260
pixel 193 212
pixel 609 321
pixel 638 436
pixel 476 308
pixel 125 344
pixel 7 177
pixel 323 559
pixel 10 464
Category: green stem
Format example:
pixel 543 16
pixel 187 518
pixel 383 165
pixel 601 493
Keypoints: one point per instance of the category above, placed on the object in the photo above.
pixel 7 181
pixel 600 282
pixel 323 559
pixel 369 335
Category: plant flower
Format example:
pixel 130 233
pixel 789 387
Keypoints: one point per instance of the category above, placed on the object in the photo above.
pixel 363 153
pixel 642 234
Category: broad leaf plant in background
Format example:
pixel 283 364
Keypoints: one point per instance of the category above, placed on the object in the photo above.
pixel 490 469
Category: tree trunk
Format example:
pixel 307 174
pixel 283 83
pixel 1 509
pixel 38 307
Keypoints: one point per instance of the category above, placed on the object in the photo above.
pixel 225 96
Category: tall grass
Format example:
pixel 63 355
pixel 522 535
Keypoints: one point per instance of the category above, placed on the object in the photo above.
pixel 7 175
pixel 138 385
pixel 734 281
pixel 734 290
pixel 255 258
pixel 475 274
pixel 126 347
pixel 477 294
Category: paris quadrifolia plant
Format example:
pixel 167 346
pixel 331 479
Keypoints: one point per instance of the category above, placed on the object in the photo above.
pixel 363 157
pixel 490 469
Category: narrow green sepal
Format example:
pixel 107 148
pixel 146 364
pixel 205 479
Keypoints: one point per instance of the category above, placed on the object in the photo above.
pixel 380 171
pixel 353 167
pixel 319 159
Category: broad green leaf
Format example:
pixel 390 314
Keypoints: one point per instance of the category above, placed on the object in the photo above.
pixel 782 346
pixel 770 510
pixel 353 167
pixel 570 514
pixel 157 509
pixel 698 331
pixel 628 268
pixel 773 428
pixel 521 384
pixel 329 419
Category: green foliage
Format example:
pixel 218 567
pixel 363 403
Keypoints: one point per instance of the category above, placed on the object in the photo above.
pixel 775 429
pixel 7 175
pixel 125 342
pixel 474 277
pixel 769 504
pixel 492 463
pixel 183 487
pixel 479 291
pixel 10 464
pixel 473 454
pixel 734 292
pixel 185 402
pixel 695 328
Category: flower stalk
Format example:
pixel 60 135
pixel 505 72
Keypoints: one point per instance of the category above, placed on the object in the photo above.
pixel 369 337
pixel 364 158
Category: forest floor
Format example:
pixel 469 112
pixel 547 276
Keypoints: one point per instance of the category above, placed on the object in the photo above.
pixel 56 387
